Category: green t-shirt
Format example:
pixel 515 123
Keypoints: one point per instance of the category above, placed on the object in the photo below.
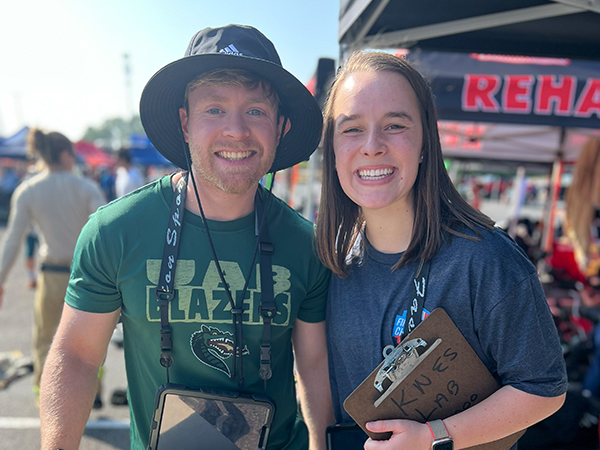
pixel 117 263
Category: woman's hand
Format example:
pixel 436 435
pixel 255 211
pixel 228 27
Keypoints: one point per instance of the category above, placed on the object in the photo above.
pixel 406 434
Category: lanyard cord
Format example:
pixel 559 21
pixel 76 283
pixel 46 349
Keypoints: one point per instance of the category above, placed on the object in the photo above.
pixel 236 310
pixel 268 309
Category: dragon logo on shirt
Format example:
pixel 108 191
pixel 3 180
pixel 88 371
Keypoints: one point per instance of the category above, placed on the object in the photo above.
pixel 213 346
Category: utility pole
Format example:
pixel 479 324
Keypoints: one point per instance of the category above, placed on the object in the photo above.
pixel 128 93
pixel 17 100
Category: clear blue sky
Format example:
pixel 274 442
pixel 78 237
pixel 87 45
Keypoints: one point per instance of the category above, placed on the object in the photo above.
pixel 62 64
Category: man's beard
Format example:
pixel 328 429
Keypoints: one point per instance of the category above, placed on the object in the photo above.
pixel 233 180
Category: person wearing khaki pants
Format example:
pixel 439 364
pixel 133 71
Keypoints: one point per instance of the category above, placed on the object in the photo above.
pixel 58 204
pixel 48 304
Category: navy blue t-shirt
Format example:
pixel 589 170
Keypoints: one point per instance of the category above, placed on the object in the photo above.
pixel 489 289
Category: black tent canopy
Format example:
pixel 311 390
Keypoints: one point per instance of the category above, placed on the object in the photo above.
pixel 550 28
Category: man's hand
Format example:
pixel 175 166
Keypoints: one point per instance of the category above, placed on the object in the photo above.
pixel 406 434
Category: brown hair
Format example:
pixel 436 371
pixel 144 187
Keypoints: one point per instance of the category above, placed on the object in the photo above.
pixel 48 146
pixel 232 77
pixel 583 195
pixel 439 208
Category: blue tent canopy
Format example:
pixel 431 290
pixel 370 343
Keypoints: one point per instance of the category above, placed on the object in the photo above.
pixel 14 146
pixel 144 153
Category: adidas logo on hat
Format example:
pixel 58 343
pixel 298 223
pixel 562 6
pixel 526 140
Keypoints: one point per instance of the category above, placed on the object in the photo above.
pixel 230 50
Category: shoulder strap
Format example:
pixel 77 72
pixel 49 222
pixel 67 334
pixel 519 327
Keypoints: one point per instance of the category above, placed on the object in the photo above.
pixel 268 309
pixel 164 291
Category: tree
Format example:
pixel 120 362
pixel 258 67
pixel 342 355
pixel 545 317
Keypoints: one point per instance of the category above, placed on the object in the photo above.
pixel 114 132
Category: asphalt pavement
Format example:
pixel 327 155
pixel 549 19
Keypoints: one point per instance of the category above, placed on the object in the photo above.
pixel 108 427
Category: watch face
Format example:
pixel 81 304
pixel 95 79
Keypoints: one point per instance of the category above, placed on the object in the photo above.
pixel 444 445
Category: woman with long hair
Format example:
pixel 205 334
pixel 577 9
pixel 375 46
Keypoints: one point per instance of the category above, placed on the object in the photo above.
pixel 57 203
pixel 388 213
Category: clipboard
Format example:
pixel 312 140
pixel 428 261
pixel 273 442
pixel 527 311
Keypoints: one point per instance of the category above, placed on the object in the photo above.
pixel 433 374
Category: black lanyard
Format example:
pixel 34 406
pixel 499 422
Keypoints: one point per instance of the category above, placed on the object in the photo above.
pixel 414 314
pixel 165 291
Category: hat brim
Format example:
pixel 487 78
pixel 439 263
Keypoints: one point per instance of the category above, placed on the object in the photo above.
pixel 164 95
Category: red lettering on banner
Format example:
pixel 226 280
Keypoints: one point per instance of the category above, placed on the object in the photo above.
pixel 555 95
pixel 516 95
pixel 478 93
pixel 589 100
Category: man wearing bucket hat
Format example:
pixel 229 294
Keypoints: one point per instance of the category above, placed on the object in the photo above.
pixel 247 287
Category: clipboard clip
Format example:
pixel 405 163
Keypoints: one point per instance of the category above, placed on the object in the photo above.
pixel 394 357
pixel 398 363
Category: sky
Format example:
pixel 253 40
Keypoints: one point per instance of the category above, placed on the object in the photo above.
pixel 62 63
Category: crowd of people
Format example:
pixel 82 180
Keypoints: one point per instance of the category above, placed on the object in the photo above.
pixel 220 285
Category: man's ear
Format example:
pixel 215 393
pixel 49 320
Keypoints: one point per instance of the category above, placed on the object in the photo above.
pixel 183 118
pixel 288 126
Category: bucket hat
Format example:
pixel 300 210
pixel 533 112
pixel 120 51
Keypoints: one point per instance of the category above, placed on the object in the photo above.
pixel 235 47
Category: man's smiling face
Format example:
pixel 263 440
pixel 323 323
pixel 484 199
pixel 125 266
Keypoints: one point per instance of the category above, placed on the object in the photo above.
pixel 232 134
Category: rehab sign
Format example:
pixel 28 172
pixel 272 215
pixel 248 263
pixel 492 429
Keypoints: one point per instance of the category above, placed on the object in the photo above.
pixel 542 95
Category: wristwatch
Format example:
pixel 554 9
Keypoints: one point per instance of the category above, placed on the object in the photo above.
pixel 441 438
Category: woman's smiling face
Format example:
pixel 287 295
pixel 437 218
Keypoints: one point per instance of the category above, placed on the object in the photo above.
pixel 377 139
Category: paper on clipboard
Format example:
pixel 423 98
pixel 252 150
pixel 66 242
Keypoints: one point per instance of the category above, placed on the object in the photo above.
pixel 433 374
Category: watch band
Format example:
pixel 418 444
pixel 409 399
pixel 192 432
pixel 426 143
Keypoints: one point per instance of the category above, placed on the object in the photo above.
pixel 438 429
pixel 441 437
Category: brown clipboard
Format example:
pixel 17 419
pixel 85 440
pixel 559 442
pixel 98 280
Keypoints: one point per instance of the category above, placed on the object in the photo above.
pixel 446 379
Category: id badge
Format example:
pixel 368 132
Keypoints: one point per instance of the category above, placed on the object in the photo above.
pixel 194 419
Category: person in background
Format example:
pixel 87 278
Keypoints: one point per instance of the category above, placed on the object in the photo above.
pixel 390 213
pixel 106 180
pixel 227 113
pixel 128 177
pixel 58 203
pixel 583 230
pixel 32 241
pixel 31 245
